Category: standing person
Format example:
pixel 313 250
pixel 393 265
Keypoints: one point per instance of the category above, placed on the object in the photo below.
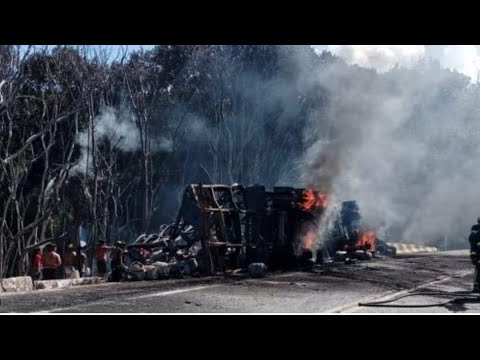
pixel 474 240
pixel 37 265
pixel 116 255
pixel 101 257
pixel 70 261
pixel 116 262
pixel 51 262
pixel 82 261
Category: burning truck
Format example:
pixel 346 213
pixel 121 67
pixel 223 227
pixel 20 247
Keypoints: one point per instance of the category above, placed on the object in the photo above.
pixel 238 226
pixel 220 227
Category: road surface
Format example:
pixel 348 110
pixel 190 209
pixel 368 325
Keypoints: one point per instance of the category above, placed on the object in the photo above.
pixel 337 289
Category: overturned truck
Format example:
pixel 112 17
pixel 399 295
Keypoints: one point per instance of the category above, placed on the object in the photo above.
pixel 220 227
pixel 235 226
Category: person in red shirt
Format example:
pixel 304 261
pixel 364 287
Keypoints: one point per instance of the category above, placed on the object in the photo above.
pixel 100 257
pixel 37 265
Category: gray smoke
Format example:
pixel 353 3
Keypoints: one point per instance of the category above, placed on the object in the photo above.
pixel 403 143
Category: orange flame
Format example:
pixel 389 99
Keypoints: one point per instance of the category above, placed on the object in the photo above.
pixel 313 199
pixel 366 241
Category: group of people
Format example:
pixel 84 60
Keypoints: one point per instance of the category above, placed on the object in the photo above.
pixel 47 263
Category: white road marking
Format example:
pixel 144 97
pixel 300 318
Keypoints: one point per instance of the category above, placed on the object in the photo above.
pixel 171 292
pixel 103 302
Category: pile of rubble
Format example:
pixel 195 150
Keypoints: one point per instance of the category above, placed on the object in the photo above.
pixel 160 256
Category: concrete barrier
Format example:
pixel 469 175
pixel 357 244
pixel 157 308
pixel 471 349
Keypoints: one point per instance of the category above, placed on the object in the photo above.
pixel 88 281
pixel 63 283
pixel 412 248
pixel 16 284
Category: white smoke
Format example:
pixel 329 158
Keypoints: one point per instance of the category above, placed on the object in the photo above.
pixel 115 126
pixel 118 127
pixel 464 59
pixel 379 57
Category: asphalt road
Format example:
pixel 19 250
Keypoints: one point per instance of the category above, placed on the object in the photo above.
pixel 337 289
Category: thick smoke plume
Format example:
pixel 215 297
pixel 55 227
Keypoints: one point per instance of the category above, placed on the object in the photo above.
pixel 403 143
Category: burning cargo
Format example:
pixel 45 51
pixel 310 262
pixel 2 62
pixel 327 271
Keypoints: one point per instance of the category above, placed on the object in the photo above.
pixel 222 227
pixel 350 239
